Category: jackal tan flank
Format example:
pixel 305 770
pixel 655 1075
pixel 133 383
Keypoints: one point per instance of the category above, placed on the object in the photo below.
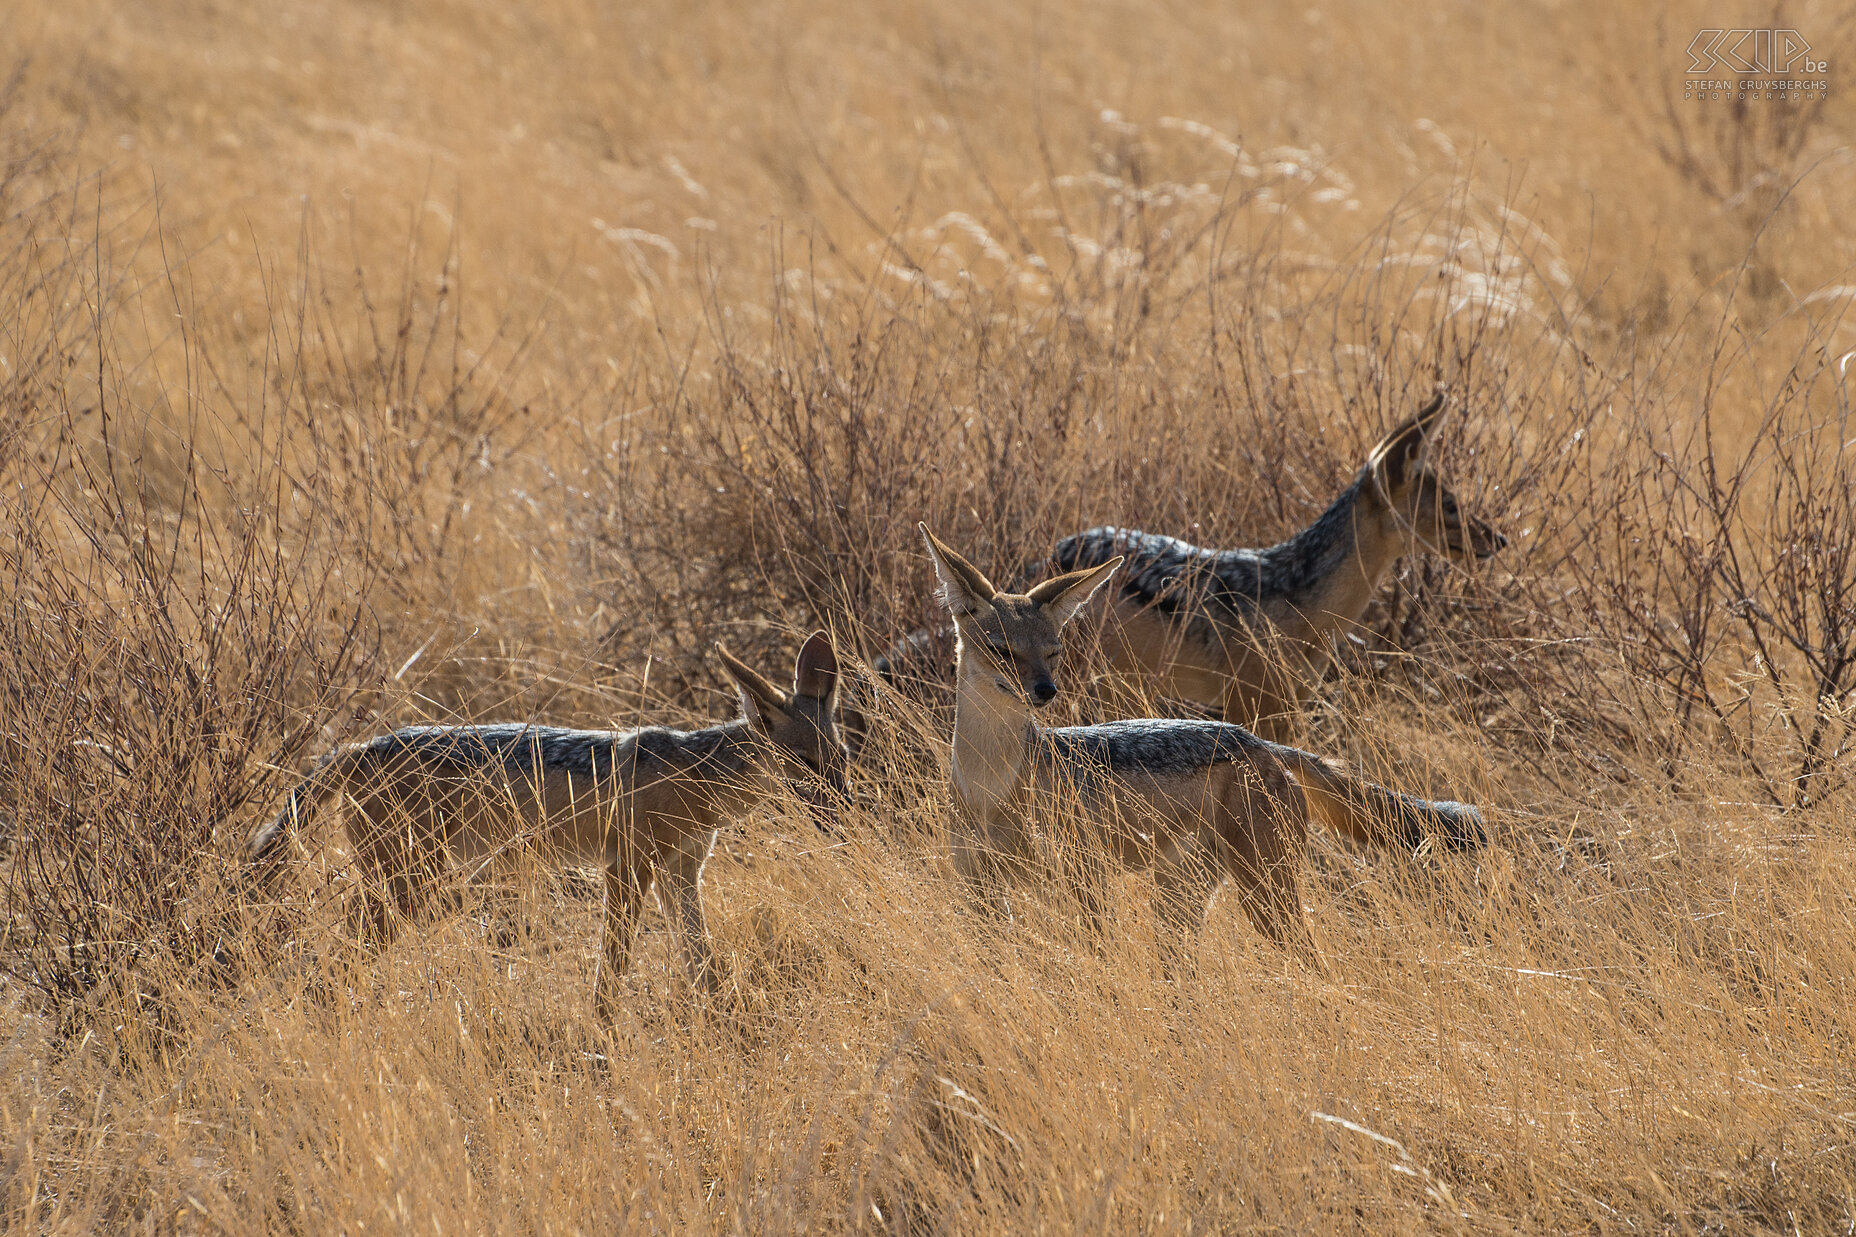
pixel 1194 801
pixel 643 804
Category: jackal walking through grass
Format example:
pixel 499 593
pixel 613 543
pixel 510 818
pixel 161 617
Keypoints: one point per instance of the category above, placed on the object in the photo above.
pixel 645 805
pixel 1248 632
pixel 1194 801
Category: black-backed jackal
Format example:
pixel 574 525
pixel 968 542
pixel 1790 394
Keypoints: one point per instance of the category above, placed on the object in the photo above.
pixel 643 804
pixel 1248 633
pixel 1195 801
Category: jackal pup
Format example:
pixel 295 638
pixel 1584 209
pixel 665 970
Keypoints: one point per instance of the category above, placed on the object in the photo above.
pixel 644 804
pixel 1248 632
pixel 1195 801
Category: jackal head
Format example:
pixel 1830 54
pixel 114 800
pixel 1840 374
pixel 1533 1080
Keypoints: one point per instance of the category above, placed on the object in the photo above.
pixel 800 726
pixel 1010 640
pixel 1416 497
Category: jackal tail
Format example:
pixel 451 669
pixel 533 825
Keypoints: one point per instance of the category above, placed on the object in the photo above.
pixel 1367 812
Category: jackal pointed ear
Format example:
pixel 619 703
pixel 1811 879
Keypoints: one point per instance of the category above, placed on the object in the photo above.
pixel 964 588
pixel 1398 451
pixel 761 702
pixel 1064 595
pixel 815 674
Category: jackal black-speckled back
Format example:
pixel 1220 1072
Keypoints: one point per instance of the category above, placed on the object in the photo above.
pixel 1240 581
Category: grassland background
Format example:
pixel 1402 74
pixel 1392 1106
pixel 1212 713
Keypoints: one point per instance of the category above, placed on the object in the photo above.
pixel 364 363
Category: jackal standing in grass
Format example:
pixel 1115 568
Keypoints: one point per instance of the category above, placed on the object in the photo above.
pixel 645 805
pixel 1195 801
pixel 1248 632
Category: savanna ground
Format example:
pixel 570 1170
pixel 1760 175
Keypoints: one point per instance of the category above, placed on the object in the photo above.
pixel 364 363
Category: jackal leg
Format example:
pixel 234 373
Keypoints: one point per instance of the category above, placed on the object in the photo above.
pixel 1092 879
pixel 1089 869
pixel 628 883
pixel 1273 900
pixel 370 917
pixel 491 882
pixel 401 860
pixel 1265 843
pixel 1183 887
pixel 1265 710
pixel 680 893
pixel 988 858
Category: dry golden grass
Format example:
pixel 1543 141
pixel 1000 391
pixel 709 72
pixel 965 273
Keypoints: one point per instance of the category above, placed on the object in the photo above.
pixel 440 359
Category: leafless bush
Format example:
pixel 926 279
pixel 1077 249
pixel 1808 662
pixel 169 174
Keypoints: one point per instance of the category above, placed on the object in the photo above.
pixel 188 581
pixel 1704 593
pixel 1785 531
pixel 405 417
